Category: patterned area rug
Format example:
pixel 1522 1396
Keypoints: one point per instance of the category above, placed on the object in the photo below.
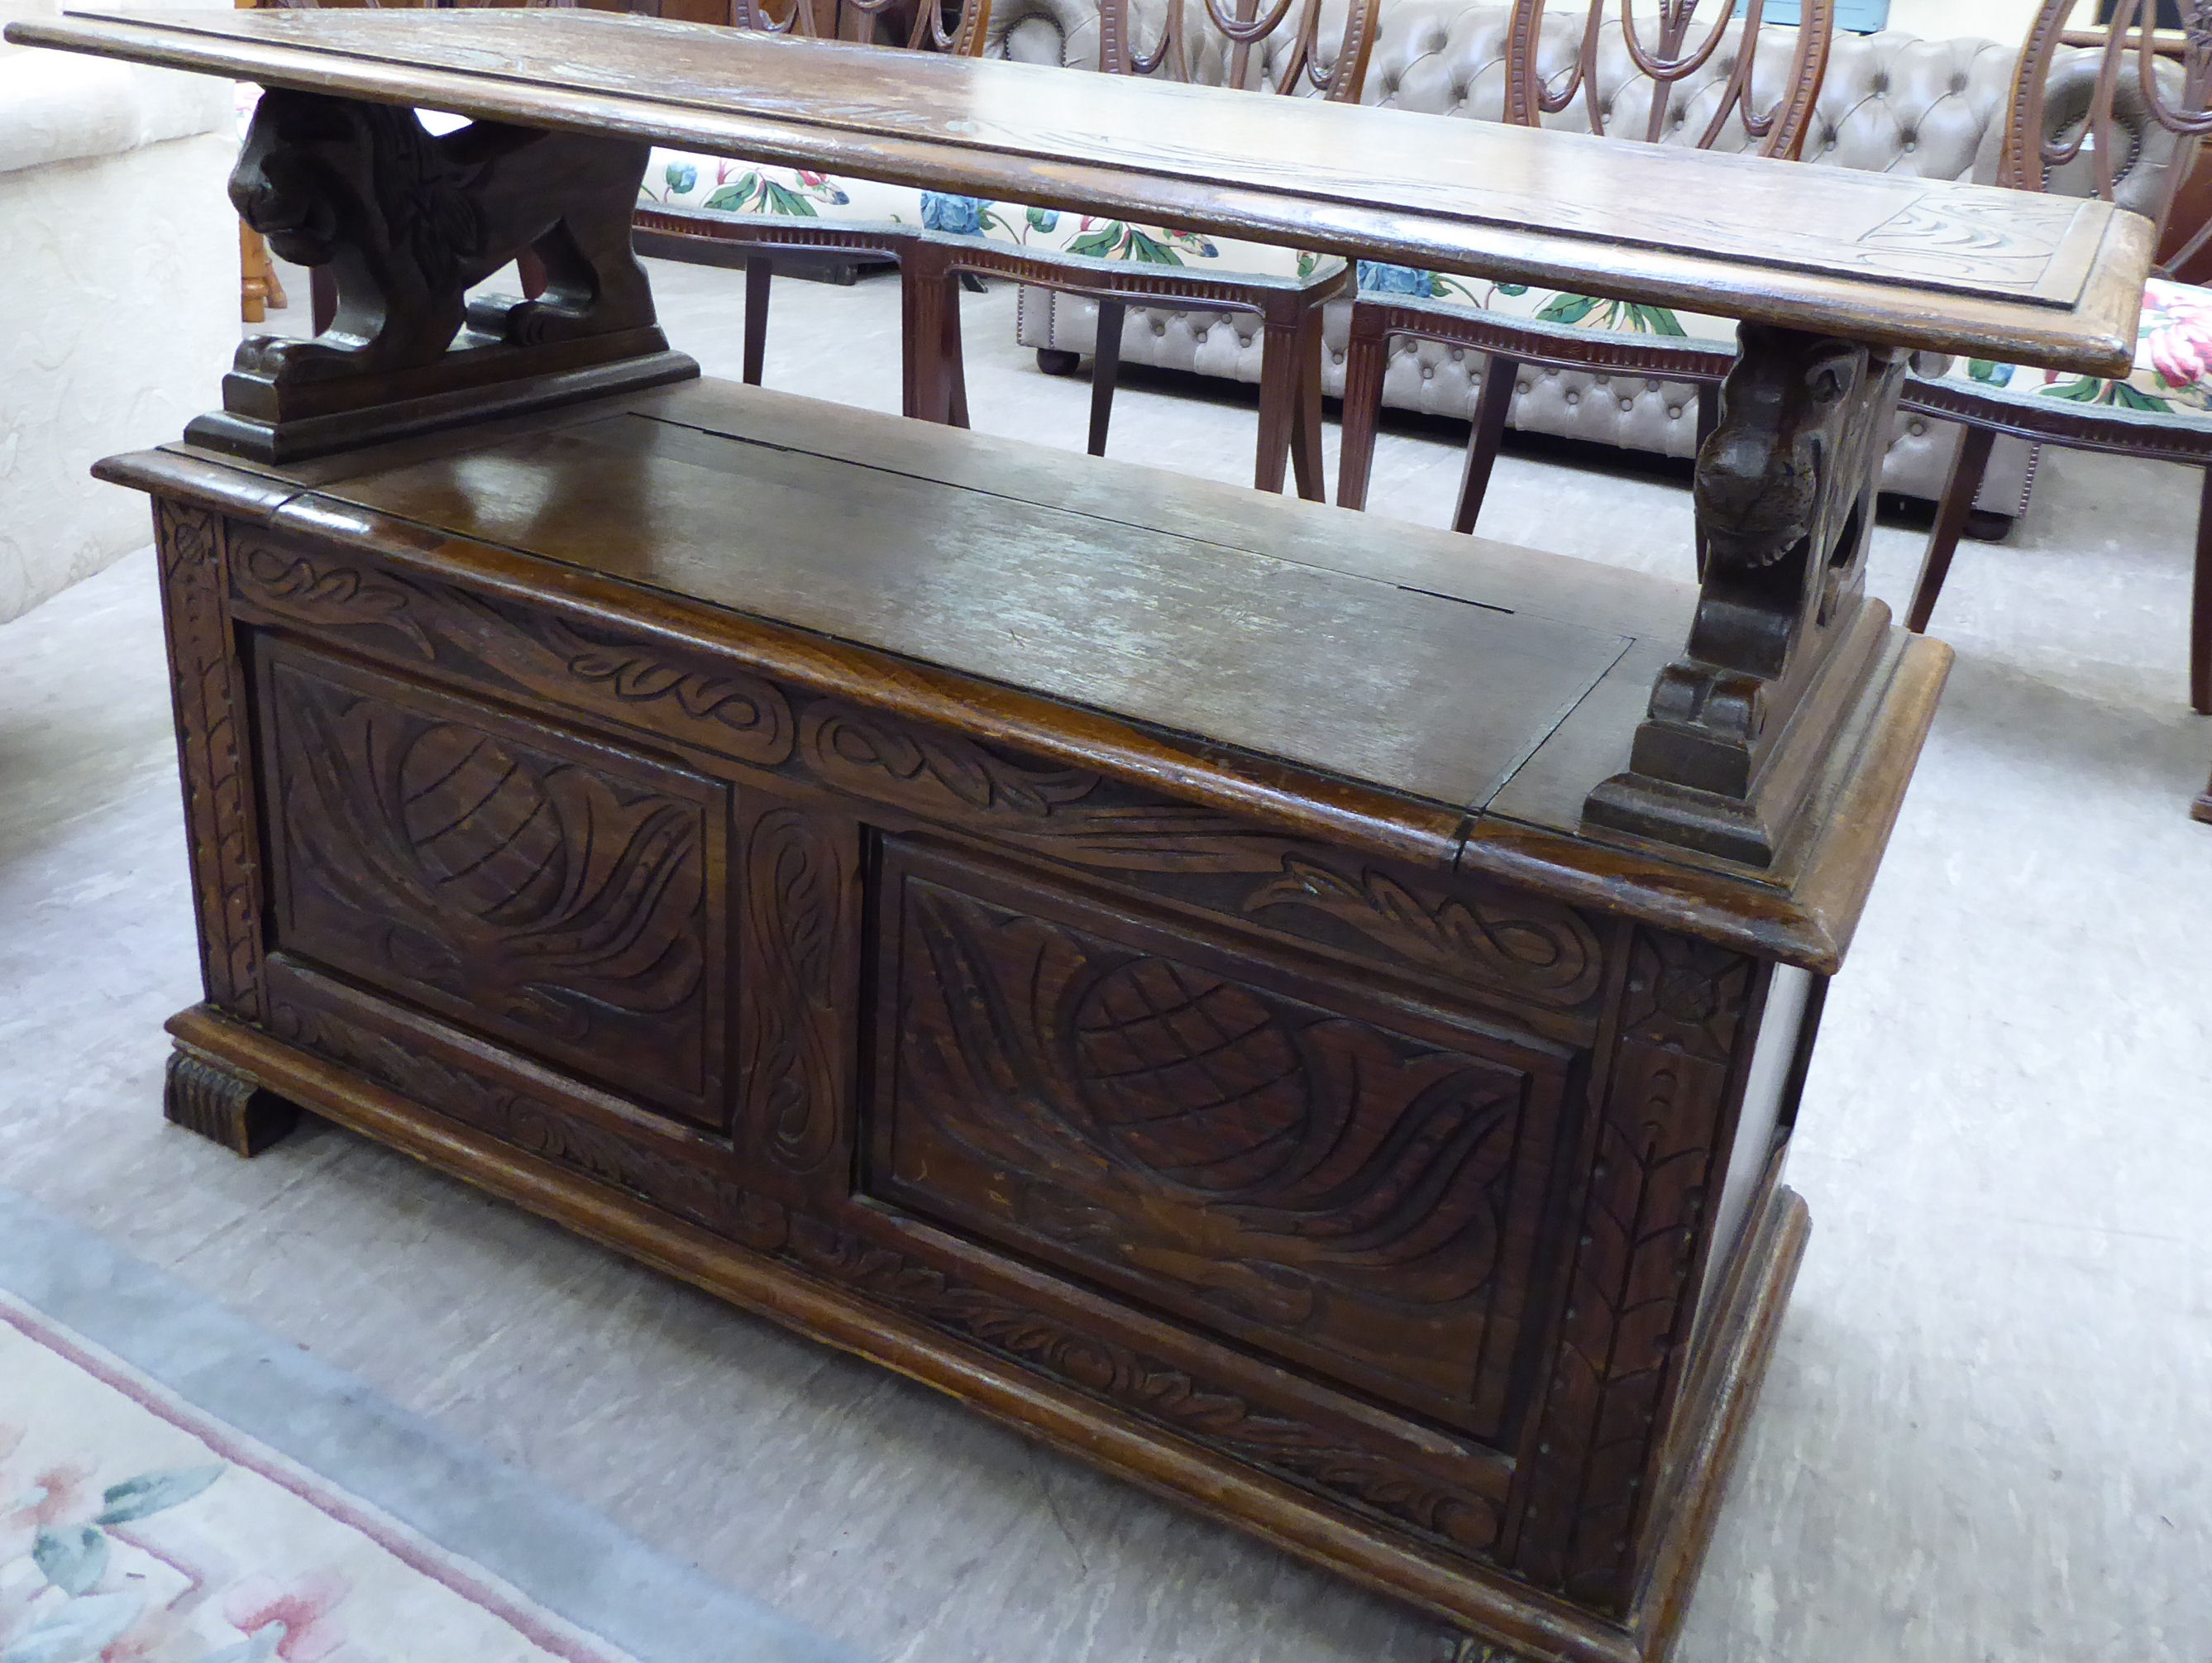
pixel 137 1528
pixel 177 1486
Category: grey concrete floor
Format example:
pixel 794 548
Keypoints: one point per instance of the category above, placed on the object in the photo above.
pixel 1984 1435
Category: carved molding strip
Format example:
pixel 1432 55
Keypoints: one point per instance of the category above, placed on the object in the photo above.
pixel 1627 1298
pixel 799 916
pixel 1532 949
pixel 1149 1386
pixel 210 697
pixel 1539 949
pixel 631 682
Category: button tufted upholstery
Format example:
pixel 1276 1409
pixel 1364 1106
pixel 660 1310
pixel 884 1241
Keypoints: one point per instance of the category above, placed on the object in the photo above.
pixel 1891 102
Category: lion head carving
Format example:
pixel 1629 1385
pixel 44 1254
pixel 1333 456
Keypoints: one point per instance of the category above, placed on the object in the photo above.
pixel 408 221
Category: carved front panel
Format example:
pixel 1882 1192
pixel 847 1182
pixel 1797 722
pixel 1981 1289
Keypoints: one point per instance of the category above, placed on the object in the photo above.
pixel 1356 1190
pixel 562 895
pixel 1511 949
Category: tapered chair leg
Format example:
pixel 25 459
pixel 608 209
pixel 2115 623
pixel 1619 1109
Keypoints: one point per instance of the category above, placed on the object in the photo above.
pixel 1105 372
pixel 1279 400
pixel 926 387
pixel 1491 409
pixel 955 356
pixel 1958 491
pixel 1366 358
pixel 1306 465
pixel 2200 607
pixel 758 275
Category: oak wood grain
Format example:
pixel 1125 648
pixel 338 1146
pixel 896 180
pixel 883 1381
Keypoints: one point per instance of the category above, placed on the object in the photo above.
pixel 1873 256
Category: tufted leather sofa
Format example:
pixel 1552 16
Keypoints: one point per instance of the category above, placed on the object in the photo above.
pixel 1890 101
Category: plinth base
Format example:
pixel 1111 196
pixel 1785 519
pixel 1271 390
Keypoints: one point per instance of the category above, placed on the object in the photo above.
pixel 1521 1624
pixel 282 436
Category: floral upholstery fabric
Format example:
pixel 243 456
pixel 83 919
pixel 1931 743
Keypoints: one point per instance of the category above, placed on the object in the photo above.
pixel 2172 374
pixel 1550 306
pixel 674 179
pixel 715 185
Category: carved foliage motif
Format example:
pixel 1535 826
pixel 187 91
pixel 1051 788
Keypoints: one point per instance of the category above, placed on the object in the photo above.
pixel 1337 1191
pixel 800 902
pixel 209 694
pixel 540 897
pixel 1542 949
pixel 1532 949
pixel 1627 1308
pixel 691 1189
pixel 627 681
pixel 1066 812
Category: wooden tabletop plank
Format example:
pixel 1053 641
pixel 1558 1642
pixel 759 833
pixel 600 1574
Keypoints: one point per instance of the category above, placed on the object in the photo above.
pixel 1428 697
pixel 1924 263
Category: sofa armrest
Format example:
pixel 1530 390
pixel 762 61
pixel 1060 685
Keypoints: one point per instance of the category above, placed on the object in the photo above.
pixel 59 106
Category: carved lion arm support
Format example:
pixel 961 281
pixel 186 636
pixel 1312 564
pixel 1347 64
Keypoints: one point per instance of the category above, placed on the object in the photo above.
pixel 408 222
pixel 1783 636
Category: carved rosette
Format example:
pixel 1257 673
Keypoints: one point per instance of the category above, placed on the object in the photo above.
pixel 1628 1300
pixel 207 691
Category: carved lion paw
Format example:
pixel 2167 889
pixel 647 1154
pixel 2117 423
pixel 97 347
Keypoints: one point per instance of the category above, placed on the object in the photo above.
pixel 285 358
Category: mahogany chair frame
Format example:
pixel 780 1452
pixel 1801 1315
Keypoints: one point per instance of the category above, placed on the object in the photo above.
pixel 2165 94
pixel 1506 344
pixel 1290 308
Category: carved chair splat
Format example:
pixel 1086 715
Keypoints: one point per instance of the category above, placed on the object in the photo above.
pixel 1772 118
pixel 2125 125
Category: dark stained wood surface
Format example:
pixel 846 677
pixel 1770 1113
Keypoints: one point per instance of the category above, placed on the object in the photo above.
pixel 1893 260
pixel 1154 604
pixel 1430 698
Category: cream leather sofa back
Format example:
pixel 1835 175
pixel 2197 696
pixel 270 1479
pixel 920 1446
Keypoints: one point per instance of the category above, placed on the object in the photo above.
pixel 1890 102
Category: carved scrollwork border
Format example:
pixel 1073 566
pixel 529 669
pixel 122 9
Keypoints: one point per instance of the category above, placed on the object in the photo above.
pixel 208 686
pixel 1482 936
pixel 1628 1306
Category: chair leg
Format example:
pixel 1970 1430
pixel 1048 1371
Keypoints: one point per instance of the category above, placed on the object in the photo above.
pixel 1279 345
pixel 1965 479
pixel 1366 357
pixel 758 275
pixel 2200 607
pixel 927 385
pixel 1105 372
pixel 1305 424
pixel 955 355
pixel 1491 409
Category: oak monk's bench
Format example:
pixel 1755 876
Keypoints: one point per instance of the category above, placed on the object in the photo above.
pixel 1303 1012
